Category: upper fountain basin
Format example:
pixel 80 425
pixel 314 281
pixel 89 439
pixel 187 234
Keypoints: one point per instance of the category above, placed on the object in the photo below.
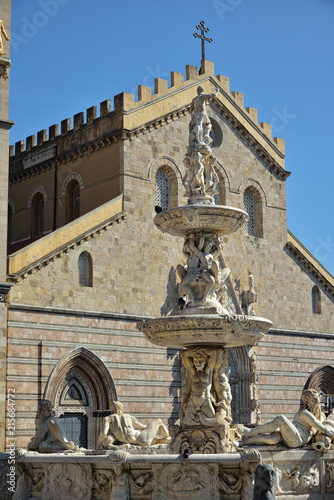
pixel 219 219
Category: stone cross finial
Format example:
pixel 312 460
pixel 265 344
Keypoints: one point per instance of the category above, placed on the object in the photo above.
pixel 202 36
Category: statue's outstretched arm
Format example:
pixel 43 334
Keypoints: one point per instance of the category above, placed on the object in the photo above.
pixel 4 33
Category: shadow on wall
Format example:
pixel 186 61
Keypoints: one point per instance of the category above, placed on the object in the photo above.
pixel 170 306
pixel 175 386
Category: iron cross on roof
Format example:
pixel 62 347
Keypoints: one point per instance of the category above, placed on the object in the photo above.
pixel 202 36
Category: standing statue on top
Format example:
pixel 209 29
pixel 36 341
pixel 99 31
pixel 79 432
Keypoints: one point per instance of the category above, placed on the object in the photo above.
pixel 199 120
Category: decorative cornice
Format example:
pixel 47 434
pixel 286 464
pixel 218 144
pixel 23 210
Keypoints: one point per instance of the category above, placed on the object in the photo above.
pixel 4 290
pixel 157 123
pixel 310 263
pixel 59 252
pixel 6 124
pixel 66 157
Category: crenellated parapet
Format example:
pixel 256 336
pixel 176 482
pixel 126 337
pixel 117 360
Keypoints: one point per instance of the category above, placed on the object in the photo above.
pixel 130 117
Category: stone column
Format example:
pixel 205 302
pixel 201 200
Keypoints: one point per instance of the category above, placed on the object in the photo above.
pixel 5 125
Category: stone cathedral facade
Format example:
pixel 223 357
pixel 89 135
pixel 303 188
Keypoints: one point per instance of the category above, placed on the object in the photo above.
pixel 86 263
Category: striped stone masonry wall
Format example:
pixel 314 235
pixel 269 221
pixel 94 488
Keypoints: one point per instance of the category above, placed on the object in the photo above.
pixel 147 378
pixel 285 361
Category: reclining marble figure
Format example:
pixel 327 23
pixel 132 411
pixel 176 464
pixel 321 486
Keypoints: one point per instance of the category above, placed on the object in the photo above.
pixel 50 437
pixel 120 428
pixel 306 424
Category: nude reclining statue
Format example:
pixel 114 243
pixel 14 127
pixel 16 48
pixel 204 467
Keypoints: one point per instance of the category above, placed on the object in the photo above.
pixel 121 428
pixel 305 426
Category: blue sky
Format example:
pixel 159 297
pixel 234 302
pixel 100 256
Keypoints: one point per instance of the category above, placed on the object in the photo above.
pixel 68 55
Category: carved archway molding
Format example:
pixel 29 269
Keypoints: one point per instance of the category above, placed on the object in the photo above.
pixel 173 173
pixel 322 377
pixel 255 188
pixel 167 164
pixel 241 380
pixel 37 189
pixel 69 178
pixel 93 375
pixel 91 370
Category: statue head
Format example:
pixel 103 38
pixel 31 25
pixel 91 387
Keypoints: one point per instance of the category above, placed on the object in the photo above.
pixel 310 400
pixel 200 90
pixel 264 479
pixel 45 409
pixel 199 361
pixel 116 407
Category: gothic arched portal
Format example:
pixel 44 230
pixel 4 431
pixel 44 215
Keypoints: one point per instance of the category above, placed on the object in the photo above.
pixel 81 389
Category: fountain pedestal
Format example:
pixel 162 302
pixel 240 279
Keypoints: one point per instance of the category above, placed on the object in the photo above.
pixel 211 316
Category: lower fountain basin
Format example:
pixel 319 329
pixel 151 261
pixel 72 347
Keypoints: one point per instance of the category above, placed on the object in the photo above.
pixel 209 218
pixel 223 330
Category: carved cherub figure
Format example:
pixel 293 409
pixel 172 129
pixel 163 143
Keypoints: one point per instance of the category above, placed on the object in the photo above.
pixel 201 276
pixel 120 428
pixel 210 175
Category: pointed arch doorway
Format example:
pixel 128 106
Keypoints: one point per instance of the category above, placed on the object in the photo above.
pixel 322 380
pixel 81 389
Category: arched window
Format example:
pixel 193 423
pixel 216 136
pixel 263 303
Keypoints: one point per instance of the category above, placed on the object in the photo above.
pixel 37 215
pixel 9 225
pixel 85 267
pixel 316 300
pixel 253 206
pixel 249 206
pixel 162 189
pixel 72 201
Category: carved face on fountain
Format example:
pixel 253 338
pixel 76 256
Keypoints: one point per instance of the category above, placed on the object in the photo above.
pixel 199 362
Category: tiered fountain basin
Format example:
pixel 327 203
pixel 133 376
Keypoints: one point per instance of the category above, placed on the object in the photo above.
pixel 217 219
pixel 211 329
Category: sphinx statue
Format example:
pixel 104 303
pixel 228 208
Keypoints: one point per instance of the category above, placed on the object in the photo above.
pixel 264 482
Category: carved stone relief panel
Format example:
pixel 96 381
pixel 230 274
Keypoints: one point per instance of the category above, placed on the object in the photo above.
pixel 297 478
pixel 330 477
pixel 185 481
pixel 63 481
